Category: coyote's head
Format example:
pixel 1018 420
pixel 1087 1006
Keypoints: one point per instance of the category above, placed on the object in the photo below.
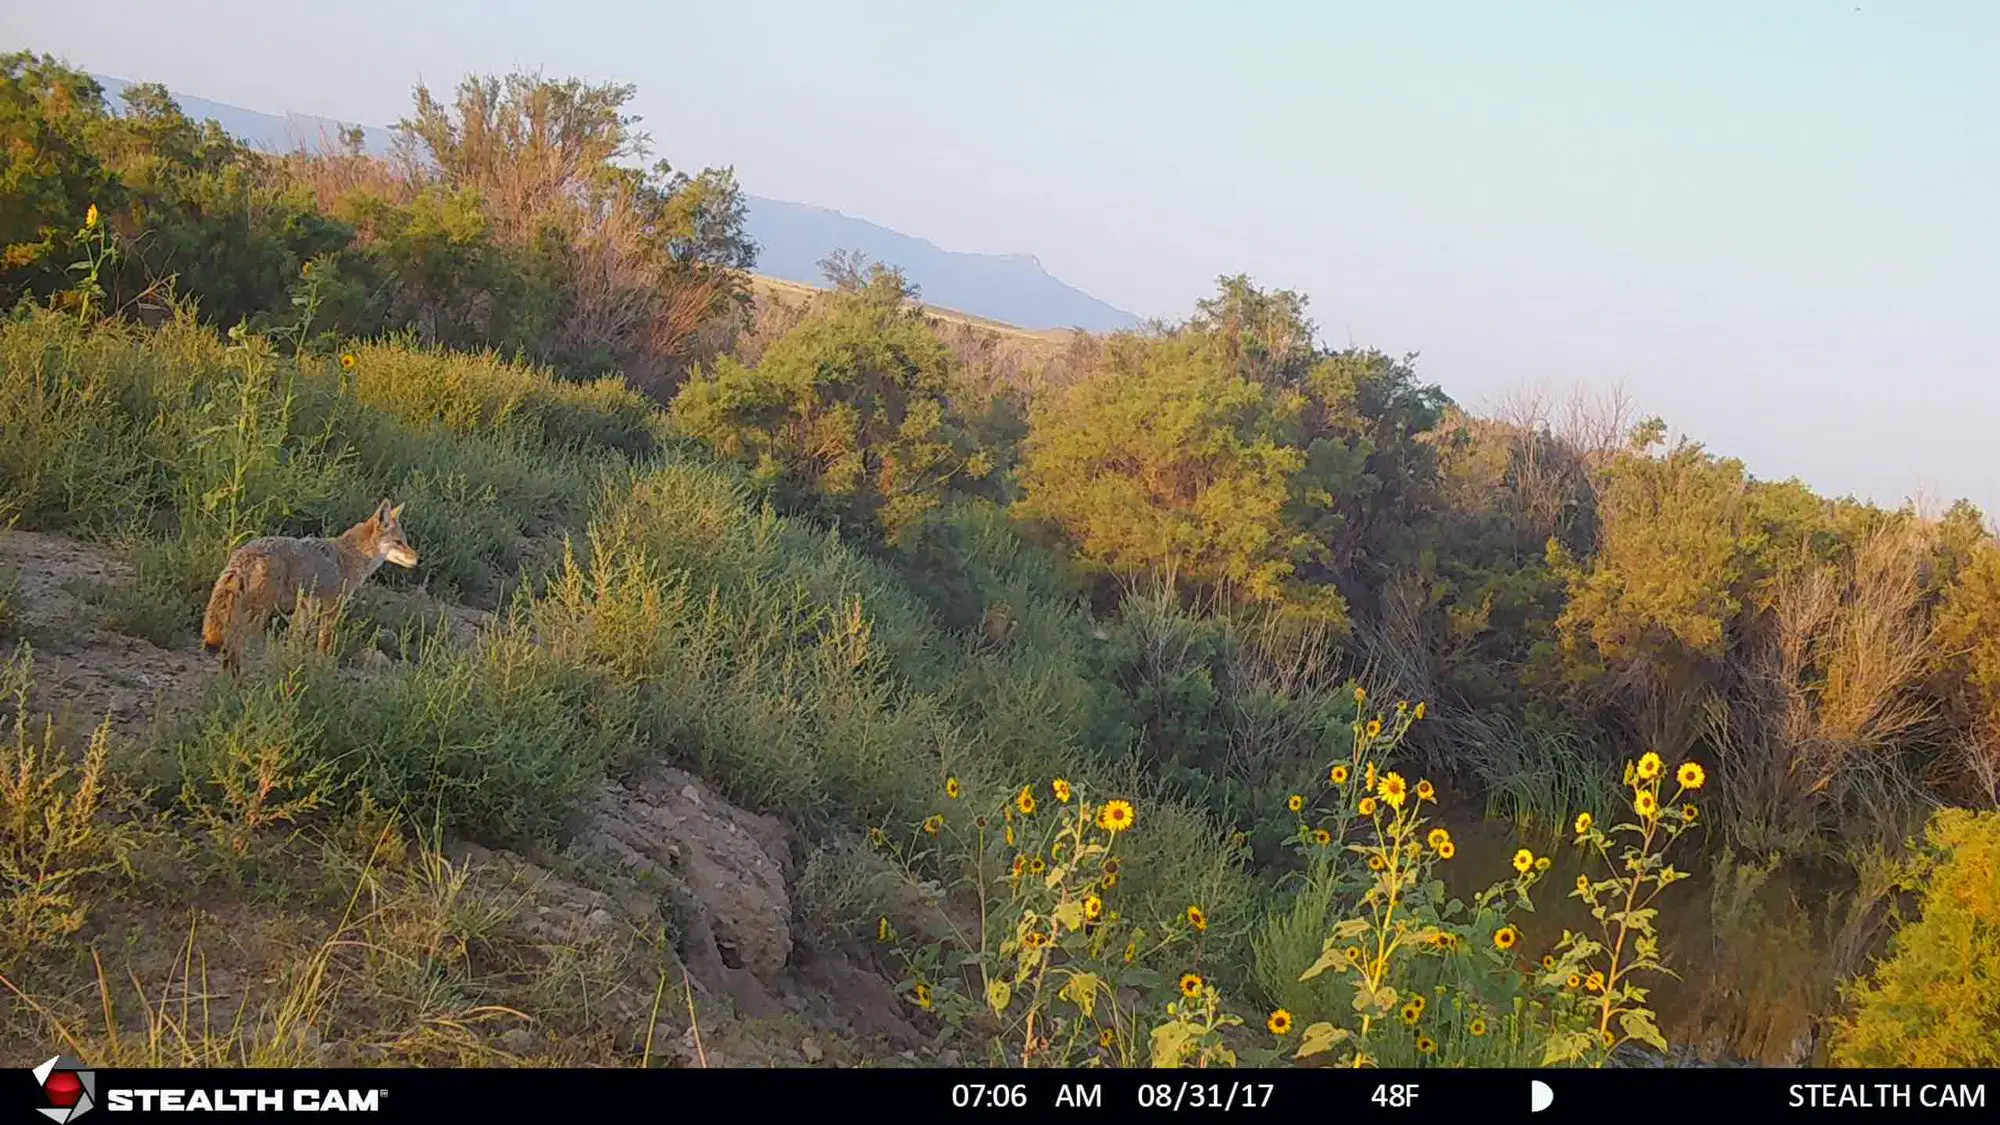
pixel 383 536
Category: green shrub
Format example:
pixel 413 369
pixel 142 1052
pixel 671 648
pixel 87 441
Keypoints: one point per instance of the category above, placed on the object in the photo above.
pixel 257 764
pixel 1935 1000
pixel 53 835
pixel 848 413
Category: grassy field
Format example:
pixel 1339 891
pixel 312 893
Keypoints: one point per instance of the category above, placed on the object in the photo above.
pixel 798 291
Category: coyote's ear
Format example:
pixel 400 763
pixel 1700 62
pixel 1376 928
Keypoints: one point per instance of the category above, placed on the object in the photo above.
pixel 396 513
pixel 382 514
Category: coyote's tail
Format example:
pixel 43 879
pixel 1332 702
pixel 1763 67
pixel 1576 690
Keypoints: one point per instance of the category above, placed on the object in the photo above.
pixel 220 616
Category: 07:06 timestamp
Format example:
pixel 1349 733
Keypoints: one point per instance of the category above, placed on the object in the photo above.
pixel 981 1095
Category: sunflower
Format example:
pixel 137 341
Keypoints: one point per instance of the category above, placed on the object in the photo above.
pixel 1505 937
pixel 1688 812
pixel 1583 884
pixel 1419 712
pixel 1417 1002
pixel 1412 1013
pixel 1106 1038
pixel 1594 982
pixel 882 930
pixel 1393 790
pixel 1583 822
pixel 1062 790
pixel 1367 806
pixel 1322 837
pixel 1376 863
pixel 1438 838
pixel 1374 728
pixel 347 361
pixel 923 996
pixel 1337 775
pixel 1548 961
pixel 1645 804
pixel 90 223
pixel 932 823
pixel 1280 1022
pixel 1609 1039
pixel 1524 860
pixel 1115 816
pixel 1034 939
pixel 1477 1027
pixel 1036 866
pixel 1690 775
pixel 1574 981
pixel 952 789
pixel 1191 985
pixel 1020 865
pixel 1131 951
pixel 1093 908
pixel 1295 802
pixel 1025 801
pixel 1354 954
pixel 1425 792
pixel 1368 778
pixel 1360 695
pixel 1542 863
pixel 1447 849
pixel 1109 881
pixel 1198 918
pixel 1649 766
pixel 1426 1045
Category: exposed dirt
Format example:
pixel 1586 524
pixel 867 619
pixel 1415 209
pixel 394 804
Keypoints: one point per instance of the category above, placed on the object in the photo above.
pixel 85 670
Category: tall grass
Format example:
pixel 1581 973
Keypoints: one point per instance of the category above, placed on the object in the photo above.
pixel 187 445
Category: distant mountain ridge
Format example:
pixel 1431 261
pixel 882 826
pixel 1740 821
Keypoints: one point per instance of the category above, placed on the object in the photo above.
pixel 793 237
pixel 1013 288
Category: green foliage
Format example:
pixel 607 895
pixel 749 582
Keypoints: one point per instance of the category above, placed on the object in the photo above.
pixel 255 764
pixel 1969 639
pixel 519 226
pixel 849 410
pixel 1065 963
pixel 1935 1000
pixel 1688 545
pixel 1397 945
pixel 53 835
pixel 475 395
pixel 51 176
pixel 1165 466
pixel 1622 901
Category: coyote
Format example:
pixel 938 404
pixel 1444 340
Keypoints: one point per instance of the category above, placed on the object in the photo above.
pixel 277 574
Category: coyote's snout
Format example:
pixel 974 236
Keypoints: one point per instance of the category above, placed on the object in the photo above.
pixel 276 574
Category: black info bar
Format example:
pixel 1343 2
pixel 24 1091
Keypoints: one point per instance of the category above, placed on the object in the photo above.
pixel 66 1090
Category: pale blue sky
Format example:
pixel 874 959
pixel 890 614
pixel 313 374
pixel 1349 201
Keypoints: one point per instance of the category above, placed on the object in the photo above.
pixel 1774 222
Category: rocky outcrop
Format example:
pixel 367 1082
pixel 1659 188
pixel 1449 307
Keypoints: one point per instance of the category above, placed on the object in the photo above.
pixel 662 848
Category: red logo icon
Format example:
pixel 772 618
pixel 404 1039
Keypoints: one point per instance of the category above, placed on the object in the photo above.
pixel 69 1088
